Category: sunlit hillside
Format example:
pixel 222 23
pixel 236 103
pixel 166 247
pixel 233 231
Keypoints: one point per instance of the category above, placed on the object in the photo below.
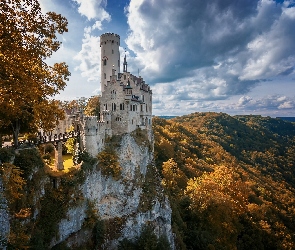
pixel 231 180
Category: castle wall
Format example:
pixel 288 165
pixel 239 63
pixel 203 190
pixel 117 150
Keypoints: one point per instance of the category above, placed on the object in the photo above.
pixel 93 135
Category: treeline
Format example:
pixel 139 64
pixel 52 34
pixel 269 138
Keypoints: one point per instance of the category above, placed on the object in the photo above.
pixel 230 179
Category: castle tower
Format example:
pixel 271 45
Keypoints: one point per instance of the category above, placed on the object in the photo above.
pixel 110 57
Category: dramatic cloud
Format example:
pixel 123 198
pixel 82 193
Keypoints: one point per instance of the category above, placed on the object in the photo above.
pixel 233 56
pixel 210 50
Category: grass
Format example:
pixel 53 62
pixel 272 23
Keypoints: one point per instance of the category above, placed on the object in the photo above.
pixel 67 163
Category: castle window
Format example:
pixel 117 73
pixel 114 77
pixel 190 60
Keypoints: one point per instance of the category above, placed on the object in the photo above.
pixel 112 51
pixel 104 61
pixel 146 107
pixel 112 41
pixel 141 107
pixel 130 107
pixel 124 77
pixel 118 63
pixel 114 106
pixel 105 76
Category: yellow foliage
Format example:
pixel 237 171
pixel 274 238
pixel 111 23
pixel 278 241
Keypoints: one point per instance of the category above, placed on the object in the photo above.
pixel 222 186
pixel 27 82
pixel 12 181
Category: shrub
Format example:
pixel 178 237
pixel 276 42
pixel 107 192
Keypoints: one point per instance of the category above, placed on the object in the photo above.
pixel 28 160
pixel 6 154
pixel 108 163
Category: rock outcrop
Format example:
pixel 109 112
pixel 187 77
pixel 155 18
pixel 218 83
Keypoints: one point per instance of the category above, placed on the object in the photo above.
pixel 132 201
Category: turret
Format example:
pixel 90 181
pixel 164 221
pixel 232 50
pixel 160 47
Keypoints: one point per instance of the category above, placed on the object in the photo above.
pixel 110 57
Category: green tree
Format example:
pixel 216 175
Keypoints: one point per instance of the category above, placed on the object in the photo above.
pixel 27 81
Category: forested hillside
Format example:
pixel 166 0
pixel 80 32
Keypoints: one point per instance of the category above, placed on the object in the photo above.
pixel 231 180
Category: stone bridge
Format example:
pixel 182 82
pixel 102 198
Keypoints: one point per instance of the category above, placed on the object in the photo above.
pixel 47 137
pixel 57 140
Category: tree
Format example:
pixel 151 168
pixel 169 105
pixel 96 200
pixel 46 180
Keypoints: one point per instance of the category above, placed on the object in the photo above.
pixel 174 179
pixel 27 82
pixel 93 106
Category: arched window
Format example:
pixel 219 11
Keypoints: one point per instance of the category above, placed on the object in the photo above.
pixel 104 62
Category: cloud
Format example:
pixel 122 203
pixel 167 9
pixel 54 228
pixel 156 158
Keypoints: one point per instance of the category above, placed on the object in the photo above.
pixel 271 102
pixel 89 56
pixel 93 9
pixel 211 50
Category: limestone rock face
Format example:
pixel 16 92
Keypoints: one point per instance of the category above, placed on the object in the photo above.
pixel 135 199
pixel 4 218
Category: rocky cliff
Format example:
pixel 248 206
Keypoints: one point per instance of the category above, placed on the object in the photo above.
pixel 130 202
pixel 89 207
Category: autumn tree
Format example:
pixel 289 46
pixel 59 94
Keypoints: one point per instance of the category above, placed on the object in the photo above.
pixel 174 179
pixel 93 106
pixel 27 81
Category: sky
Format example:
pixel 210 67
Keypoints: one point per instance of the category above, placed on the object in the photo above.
pixel 231 56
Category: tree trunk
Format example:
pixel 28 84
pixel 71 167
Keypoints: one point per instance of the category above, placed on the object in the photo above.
pixel 15 129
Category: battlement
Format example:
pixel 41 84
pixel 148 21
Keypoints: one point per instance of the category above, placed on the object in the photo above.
pixel 109 37
pixel 107 34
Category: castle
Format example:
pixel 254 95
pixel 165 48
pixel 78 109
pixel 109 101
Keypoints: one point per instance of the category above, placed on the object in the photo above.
pixel 125 102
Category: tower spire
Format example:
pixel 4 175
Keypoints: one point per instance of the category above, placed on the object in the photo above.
pixel 125 63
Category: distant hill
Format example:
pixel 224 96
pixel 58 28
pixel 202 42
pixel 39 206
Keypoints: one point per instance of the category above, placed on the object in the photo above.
pixel 290 119
pixel 167 116
pixel 231 180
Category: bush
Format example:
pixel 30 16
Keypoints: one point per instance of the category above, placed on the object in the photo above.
pixel 28 160
pixel 108 163
pixel 6 154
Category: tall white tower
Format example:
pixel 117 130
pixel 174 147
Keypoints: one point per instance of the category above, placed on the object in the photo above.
pixel 110 57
